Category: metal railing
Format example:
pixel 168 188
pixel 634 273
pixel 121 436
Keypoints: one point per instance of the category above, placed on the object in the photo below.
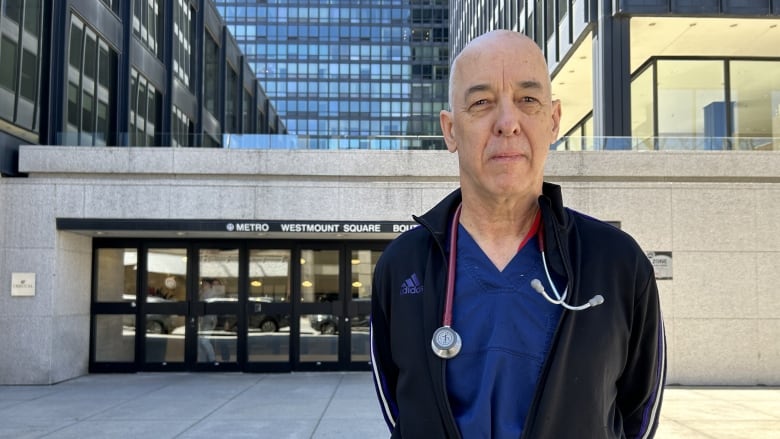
pixel 414 142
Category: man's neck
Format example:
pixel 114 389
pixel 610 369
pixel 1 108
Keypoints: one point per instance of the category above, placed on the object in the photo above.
pixel 499 226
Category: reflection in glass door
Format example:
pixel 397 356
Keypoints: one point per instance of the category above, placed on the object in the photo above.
pixel 268 307
pixel 361 267
pixel 217 305
pixel 335 291
pixel 321 306
pixel 115 307
pixel 165 307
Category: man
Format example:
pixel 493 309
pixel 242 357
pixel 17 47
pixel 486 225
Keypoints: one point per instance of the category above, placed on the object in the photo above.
pixel 558 313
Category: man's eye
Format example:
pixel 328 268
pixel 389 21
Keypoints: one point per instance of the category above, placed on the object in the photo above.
pixel 530 104
pixel 479 103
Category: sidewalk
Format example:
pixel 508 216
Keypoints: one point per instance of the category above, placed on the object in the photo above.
pixel 301 405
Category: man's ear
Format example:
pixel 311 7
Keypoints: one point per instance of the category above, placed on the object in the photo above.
pixel 446 120
pixel 556 117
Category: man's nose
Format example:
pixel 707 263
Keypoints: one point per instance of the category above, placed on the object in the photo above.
pixel 507 119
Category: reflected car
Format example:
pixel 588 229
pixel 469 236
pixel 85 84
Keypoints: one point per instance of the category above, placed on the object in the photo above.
pixel 328 324
pixel 258 320
pixel 155 323
pixel 261 322
pixel 159 324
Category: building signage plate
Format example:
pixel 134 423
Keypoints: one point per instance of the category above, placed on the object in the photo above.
pixel 662 264
pixel 23 284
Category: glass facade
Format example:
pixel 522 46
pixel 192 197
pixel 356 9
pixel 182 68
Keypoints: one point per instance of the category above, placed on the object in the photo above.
pixel 755 95
pixel 350 68
pixel 708 104
pixel 691 99
pixel 109 79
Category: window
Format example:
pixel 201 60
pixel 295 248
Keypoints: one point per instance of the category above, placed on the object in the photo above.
pixel 643 110
pixel 112 4
pixel 755 96
pixel 147 23
pixel 183 31
pixel 210 75
pixel 32 17
pixel 145 103
pixel 691 104
pixel 20 47
pixel 246 109
pixel 231 101
pixel 9 67
pixel 12 9
pixel 182 129
pixel 91 79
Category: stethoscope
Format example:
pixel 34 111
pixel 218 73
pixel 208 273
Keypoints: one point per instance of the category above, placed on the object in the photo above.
pixel 446 342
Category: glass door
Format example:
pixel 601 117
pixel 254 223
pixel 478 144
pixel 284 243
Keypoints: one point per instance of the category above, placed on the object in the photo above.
pixel 356 323
pixel 320 309
pixel 163 307
pixel 268 310
pixel 115 309
pixel 269 306
pixel 335 306
pixel 214 313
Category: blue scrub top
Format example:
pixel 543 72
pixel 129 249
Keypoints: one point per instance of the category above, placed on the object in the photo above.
pixel 506 328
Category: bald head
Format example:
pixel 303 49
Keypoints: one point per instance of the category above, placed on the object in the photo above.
pixel 489 49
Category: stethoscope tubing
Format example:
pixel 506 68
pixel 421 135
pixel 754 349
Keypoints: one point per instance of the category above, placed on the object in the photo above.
pixel 450 291
pixel 446 342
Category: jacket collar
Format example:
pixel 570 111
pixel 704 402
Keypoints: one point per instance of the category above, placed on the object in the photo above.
pixel 554 217
pixel 437 220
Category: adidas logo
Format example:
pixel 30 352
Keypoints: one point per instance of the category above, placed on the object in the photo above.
pixel 412 285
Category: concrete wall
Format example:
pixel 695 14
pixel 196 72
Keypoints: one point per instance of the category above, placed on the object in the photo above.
pixel 715 211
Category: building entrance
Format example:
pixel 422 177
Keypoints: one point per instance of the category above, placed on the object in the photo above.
pixel 225 305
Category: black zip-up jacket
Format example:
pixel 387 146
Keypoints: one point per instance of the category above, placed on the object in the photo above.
pixel 605 372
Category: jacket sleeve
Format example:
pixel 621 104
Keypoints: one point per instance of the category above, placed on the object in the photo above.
pixel 385 372
pixel 640 388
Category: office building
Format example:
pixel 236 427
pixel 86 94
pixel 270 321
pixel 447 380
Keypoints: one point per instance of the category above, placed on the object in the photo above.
pixel 260 259
pixel 123 73
pixel 650 75
pixel 350 74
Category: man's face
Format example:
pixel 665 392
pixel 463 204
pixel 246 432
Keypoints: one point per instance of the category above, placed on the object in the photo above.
pixel 502 119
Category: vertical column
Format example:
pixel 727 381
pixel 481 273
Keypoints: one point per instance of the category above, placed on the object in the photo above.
pixel 55 43
pixel 167 99
pixel 123 77
pixel 197 72
pixel 612 78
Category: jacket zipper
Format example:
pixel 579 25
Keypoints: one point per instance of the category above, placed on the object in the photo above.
pixel 533 411
pixel 450 423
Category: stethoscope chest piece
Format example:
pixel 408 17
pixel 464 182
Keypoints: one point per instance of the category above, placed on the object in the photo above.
pixel 446 342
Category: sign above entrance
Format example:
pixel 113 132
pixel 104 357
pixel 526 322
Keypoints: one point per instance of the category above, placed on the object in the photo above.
pixel 318 227
pixel 226 228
